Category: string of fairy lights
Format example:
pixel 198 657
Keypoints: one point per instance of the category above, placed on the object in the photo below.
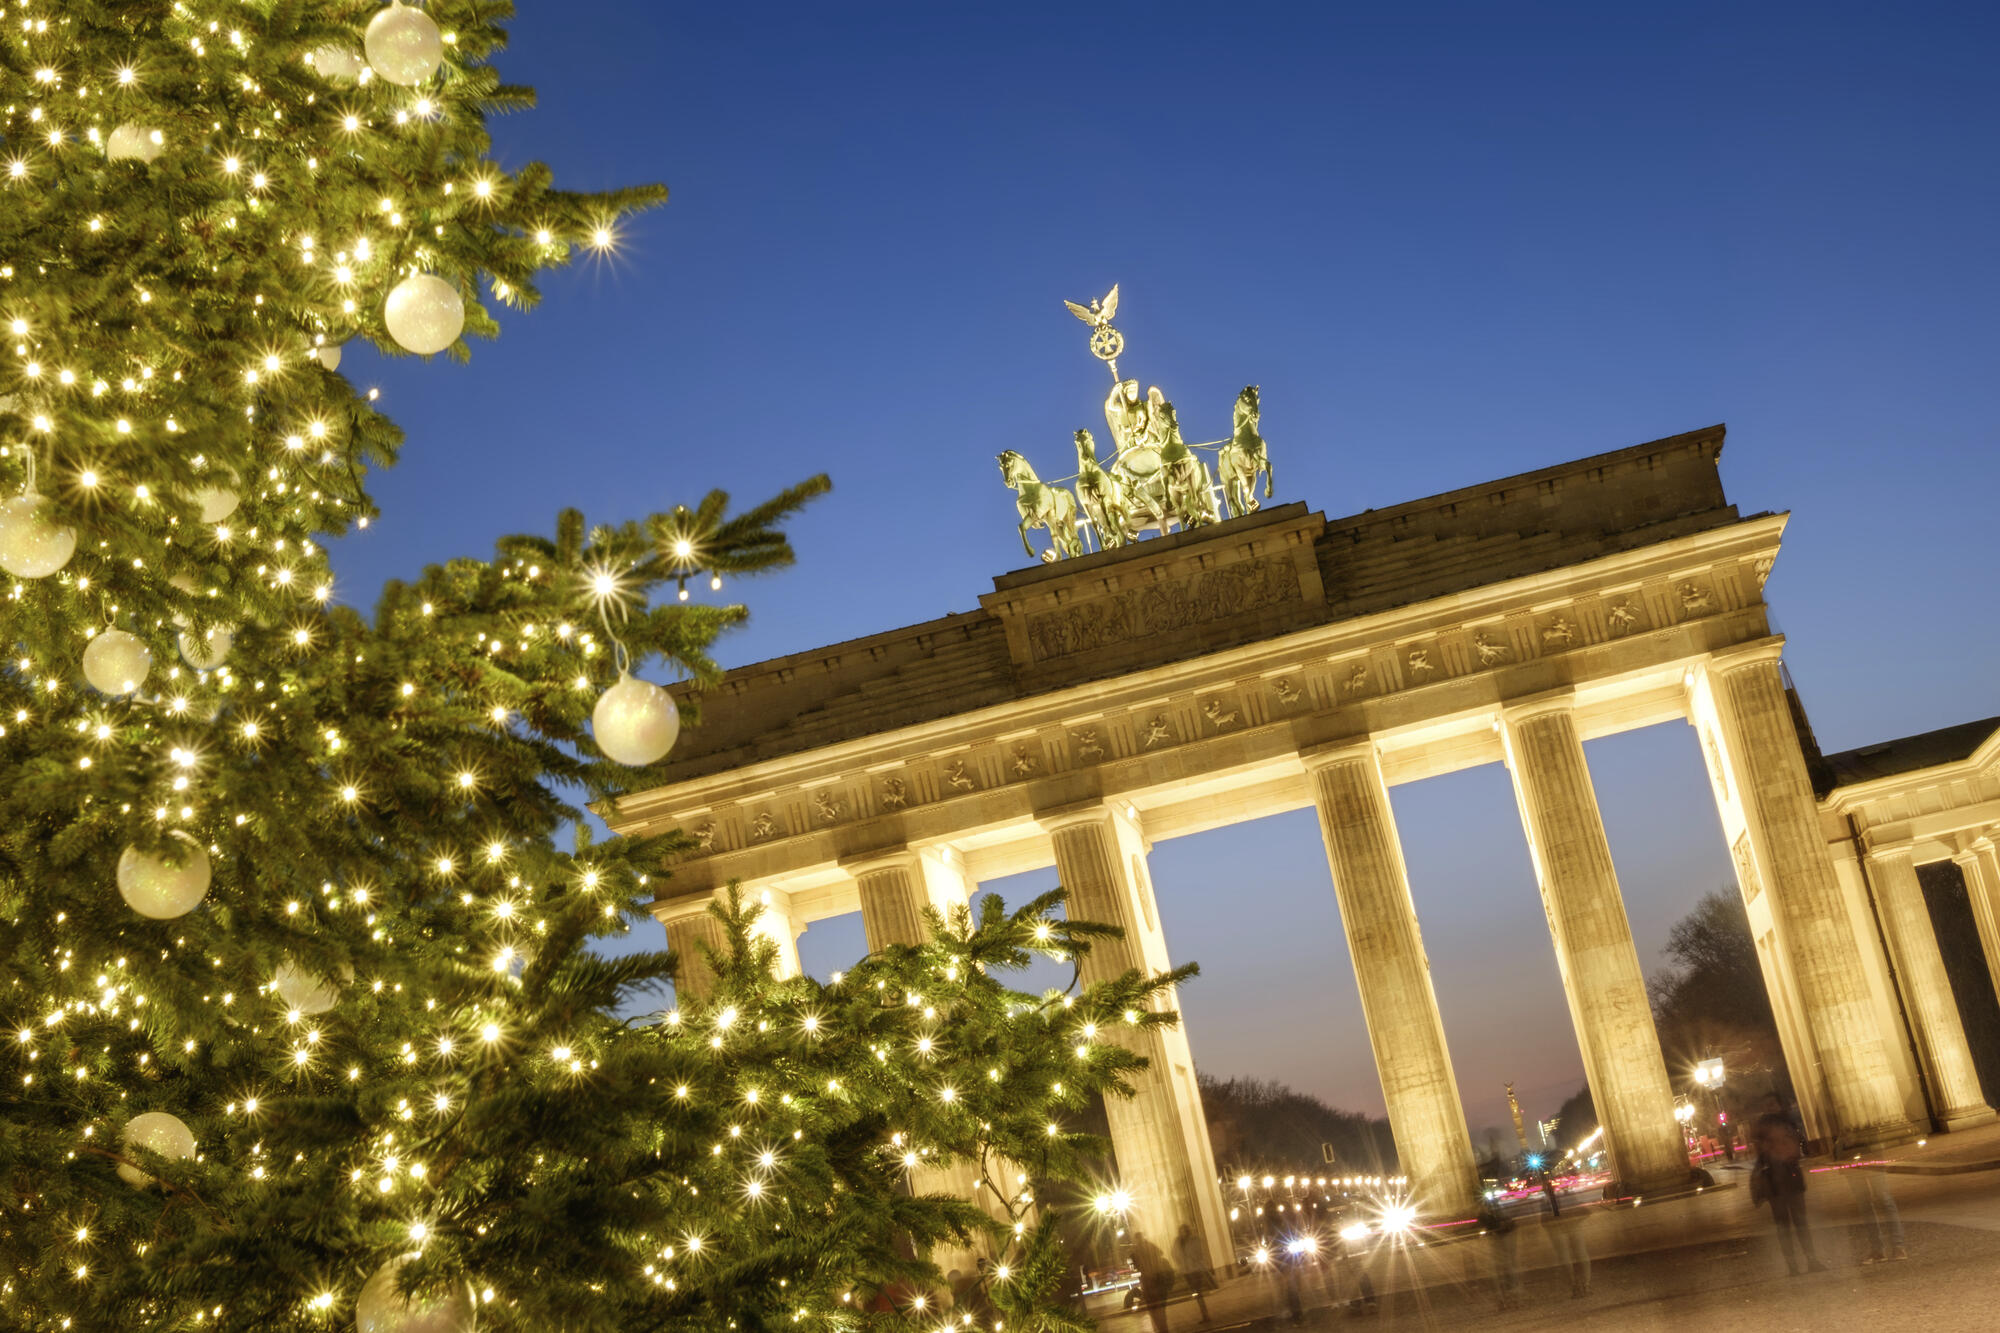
pixel 176 445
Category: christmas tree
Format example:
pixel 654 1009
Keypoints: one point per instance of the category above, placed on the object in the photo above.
pixel 303 1022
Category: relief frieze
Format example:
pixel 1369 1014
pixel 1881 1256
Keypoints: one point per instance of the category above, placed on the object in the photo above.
pixel 1211 595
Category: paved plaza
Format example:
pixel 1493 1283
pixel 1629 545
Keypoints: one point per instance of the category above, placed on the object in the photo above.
pixel 1709 1261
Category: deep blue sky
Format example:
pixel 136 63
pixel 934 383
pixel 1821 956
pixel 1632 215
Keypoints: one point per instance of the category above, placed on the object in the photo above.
pixel 1450 242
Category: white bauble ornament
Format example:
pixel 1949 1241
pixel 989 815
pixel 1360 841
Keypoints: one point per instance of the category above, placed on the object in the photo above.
pixel 336 62
pixel 206 651
pixel 137 143
pixel 33 545
pixel 424 313
pixel 217 502
pixel 329 355
pixel 635 722
pixel 381 1307
pixel 116 662
pixel 302 990
pixel 164 1134
pixel 403 45
pixel 153 887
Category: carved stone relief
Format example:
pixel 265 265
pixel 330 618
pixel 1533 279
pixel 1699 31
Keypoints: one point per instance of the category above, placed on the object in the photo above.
pixel 1559 633
pixel 1623 617
pixel 1695 599
pixel 895 793
pixel 1420 664
pixel 704 836
pixel 1357 679
pixel 1762 568
pixel 958 778
pixel 1222 718
pixel 1746 868
pixel 827 807
pixel 1491 651
pixel 1023 763
pixel 1212 594
pixel 1088 748
pixel 1715 766
pixel 763 827
pixel 1158 732
pixel 1287 692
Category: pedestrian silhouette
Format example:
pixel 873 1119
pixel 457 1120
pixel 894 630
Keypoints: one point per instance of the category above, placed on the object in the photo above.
pixel 1779 1180
pixel 1192 1255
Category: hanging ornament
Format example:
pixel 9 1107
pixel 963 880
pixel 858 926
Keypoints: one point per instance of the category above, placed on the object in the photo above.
pixel 163 1133
pixel 208 650
pixel 403 45
pixel 424 313
pixel 153 887
pixel 33 545
pixel 302 990
pixel 217 502
pixel 116 662
pixel 336 62
pixel 329 355
pixel 635 722
pixel 136 143
pixel 382 1307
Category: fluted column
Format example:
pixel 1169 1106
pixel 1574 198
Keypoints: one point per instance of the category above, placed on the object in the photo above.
pixel 694 976
pixel 771 918
pixel 1394 977
pixel 1979 863
pixel 1160 1135
pixel 1768 768
pixel 1956 1099
pixel 1594 948
pixel 895 886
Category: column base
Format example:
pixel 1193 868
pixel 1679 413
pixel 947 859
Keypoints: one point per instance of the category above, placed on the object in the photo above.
pixel 1970 1118
pixel 1664 1187
pixel 1884 1135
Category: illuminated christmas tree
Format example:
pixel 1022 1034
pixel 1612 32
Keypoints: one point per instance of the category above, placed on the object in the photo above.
pixel 302 1015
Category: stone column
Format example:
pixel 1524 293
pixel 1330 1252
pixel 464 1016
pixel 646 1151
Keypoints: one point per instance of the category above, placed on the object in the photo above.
pixel 771 917
pixel 1956 1099
pixel 1160 1136
pixel 1768 768
pixel 895 886
pixel 1979 863
pixel 1600 964
pixel 1394 977
pixel 694 978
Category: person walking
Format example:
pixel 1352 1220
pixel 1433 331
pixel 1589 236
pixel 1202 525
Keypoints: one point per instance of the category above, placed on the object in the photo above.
pixel 1505 1252
pixel 1564 1228
pixel 1156 1280
pixel 1870 1187
pixel 1192 1256
pixel 1778 1180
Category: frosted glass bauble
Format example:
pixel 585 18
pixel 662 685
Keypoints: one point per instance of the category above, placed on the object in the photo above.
pixel 135 142
pixel 208 650
pixel 116 662
pixel 635 722
pixel 424 313
pixel 32 544
pixel 302 990
pixel 162 889
pixel 381 1307
pixel 336 62
pixel 164 1134
pixel 217 502
pixel 329 355
pixel 403 45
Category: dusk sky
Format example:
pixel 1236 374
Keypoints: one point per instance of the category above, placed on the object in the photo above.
pixel 1450 243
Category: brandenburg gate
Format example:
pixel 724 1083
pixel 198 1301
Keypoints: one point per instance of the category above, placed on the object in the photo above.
pixel 1278 660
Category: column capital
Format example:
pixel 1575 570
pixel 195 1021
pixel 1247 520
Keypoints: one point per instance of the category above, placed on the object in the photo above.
pixel 1885 853
pixel 1355 749
pixel 899 856
pixel 1072 813
pixel 682 909
pixel 1770 649
pixel 1515 712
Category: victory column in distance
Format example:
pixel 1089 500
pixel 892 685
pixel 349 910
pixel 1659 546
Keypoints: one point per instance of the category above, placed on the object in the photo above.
pixel 1154 480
